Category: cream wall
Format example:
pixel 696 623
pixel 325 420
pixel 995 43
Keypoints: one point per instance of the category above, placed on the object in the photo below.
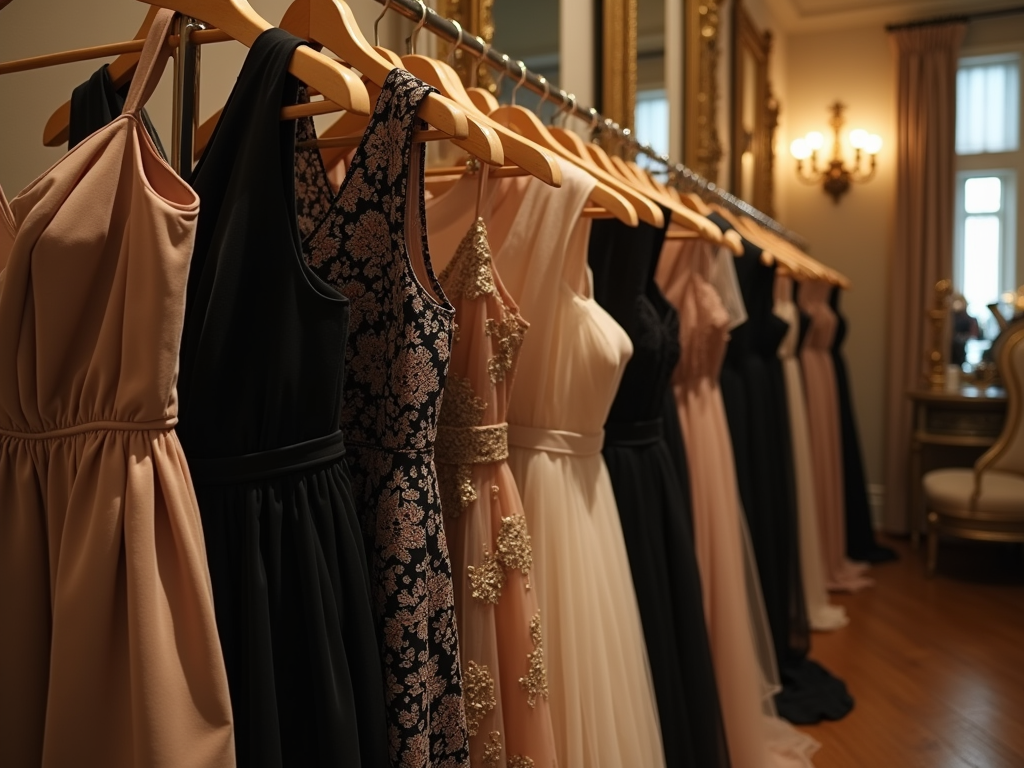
pixel 33 28
pixel 857 67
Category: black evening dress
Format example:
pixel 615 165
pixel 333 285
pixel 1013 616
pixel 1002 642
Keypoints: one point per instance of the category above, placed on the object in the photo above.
pixel 369 241
pixel 753 388
pixel 860 535
pixel 96 102
pixel 262 367
pixel 653 503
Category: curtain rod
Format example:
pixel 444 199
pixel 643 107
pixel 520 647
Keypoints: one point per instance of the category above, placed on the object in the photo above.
pixel 566 103
pixel 964 17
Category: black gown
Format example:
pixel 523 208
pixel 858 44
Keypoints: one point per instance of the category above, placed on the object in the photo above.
pixel 754 391
pixel 96 102
pixel 262 370
pixel 860 535
pixel 653 503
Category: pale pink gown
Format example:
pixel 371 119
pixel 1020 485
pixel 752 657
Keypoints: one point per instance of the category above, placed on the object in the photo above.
pixel 737 627
pixel 841 574
pixel 505 687
pixel 822 615
pixel 600 690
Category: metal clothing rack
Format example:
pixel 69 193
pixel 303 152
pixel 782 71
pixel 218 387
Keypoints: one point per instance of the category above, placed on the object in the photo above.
pixel 519 74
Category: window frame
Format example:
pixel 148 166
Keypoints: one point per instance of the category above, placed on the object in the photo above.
pixel 1008 166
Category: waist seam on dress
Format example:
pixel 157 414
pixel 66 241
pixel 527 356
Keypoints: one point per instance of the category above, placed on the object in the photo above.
pixel 93 426
pixel 424 452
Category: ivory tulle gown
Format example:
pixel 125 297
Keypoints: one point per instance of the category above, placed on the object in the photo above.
pixel 822 615
pixel 109 653
pixel 500 624
pixel 737 626
pixel 841 574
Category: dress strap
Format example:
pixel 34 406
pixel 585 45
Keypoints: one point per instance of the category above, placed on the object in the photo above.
pixel 155 52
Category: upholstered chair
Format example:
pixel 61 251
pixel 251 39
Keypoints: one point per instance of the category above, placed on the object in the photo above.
pixel 987 502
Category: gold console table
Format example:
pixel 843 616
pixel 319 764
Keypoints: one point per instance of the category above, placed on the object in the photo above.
pixel 951 429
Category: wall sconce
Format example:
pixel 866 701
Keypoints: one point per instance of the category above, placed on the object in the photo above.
pixel 836 177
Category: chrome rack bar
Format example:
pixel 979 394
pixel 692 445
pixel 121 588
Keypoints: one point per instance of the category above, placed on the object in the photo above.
pixel 517 72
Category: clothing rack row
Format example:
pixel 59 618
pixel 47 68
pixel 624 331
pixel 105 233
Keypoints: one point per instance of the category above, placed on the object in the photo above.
pixel 452 32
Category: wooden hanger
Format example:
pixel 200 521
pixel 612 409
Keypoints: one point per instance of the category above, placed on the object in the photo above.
pixel 342 36
pixel 605 194
pixel 121 70
pixel 238 20
pixel 520 151
pixel 331 24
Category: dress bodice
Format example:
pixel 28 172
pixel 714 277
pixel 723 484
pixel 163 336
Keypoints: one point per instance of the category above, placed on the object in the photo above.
pixel 395 373
pixel 623 261
pixel 833 303
pixel 119 272
pixel 261 362
pixel 703 318
pixel 785 309
pixel 812 298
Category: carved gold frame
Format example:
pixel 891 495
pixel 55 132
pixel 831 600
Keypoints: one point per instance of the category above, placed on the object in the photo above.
pixel 702 149
pixel 618 61
pixel 759 138
pixel 476 18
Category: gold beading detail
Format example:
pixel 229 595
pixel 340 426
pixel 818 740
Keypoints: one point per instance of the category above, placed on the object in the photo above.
pixel 519 761
pixel 509 333
pixel 514 547
pixel 469 272
pixel 487 579
pixel 478 694
pixel 535 683
pixel 491 756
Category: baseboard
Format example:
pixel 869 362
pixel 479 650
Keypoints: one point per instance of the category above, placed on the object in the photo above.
pixel 876 498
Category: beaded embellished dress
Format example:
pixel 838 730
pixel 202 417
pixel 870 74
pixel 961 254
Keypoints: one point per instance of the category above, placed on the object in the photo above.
pixel 500 636
pixel 369 241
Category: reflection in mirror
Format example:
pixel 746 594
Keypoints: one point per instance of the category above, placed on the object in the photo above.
pixel 651 115
pixel 528 29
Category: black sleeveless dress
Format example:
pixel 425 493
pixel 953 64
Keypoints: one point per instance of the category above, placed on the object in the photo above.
pixel 369 241
pixel 262 369
pixel 96 102
pixel 653 503
pixel 860 535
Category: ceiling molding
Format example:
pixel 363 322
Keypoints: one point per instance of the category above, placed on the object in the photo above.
pixel 799 16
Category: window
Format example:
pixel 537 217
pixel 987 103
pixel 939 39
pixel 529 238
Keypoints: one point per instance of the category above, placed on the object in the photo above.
pixel 651 123
pixel 989 162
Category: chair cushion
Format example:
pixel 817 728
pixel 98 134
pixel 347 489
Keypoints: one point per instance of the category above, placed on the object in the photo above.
pixel 949 490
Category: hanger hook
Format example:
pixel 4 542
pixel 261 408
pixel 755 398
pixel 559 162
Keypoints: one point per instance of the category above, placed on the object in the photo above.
pixel 456 45
pixel 419 26
pixel 504 71
pixel 376 23
pixel 485 48
pixel 522 79
pixel 542 99
pixel 568 108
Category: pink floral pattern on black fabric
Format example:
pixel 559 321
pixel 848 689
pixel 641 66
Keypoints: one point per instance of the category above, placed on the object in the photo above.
pixel 397 361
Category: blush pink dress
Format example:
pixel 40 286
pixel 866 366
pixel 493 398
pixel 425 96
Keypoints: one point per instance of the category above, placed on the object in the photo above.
pixel 505 686
pixel 601 696
pixel 737 624
pixel 841 574
pixel 822 615
pixel 109 654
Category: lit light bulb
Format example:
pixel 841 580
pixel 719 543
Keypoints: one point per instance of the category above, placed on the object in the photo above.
pixel 815 140
pixel 872 144
pixel 799 149
pixel 858 138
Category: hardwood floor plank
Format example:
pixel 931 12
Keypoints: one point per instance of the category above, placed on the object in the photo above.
pixel 936 666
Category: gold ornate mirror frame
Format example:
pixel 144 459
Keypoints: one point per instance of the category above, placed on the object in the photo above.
pixel 476 18
pixel 702 149
pixel 618 60
pixel 754 113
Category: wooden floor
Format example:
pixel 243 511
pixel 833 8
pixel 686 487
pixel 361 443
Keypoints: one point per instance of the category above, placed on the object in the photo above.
pixel 936 665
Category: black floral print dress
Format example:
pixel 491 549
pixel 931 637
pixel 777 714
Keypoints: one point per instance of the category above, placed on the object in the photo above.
pixel 370 243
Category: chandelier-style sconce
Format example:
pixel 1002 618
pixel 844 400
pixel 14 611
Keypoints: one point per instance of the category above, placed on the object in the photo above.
pixel 836 178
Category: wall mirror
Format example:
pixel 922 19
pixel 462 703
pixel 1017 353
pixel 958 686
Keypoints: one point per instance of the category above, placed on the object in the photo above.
pixel 754 113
